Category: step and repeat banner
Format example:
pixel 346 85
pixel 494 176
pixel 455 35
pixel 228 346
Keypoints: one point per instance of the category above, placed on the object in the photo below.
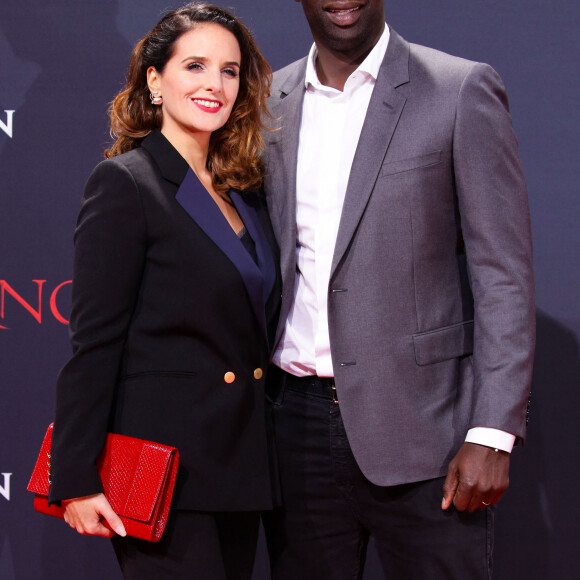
pixel 61 62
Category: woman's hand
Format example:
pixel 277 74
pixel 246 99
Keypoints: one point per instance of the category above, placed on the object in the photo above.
pixel 92 515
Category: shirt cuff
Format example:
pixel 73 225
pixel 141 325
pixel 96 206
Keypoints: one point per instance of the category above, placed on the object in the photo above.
pixel 491 438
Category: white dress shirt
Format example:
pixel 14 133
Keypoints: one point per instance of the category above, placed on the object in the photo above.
pixel 331 124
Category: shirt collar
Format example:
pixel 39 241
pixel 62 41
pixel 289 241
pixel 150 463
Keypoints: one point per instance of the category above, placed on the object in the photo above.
pixel 370 65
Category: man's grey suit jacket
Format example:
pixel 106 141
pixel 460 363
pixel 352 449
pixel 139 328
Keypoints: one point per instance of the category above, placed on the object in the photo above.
pixel 431 297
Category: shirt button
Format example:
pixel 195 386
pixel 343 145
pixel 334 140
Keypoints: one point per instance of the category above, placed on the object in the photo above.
pixel 258 373
pixel 229 377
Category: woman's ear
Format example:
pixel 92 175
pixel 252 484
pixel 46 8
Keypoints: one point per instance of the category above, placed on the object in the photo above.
pixel 153 79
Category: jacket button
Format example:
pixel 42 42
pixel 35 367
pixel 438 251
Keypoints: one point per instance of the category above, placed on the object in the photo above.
pixel 229 377
pixel 258 373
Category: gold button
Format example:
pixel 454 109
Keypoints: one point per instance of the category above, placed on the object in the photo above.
pixel 229 377
pixel 258 373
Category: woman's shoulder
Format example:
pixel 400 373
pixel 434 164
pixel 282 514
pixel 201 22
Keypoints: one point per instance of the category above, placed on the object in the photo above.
pixel 128 161
pixel 121 177
pixel 129 167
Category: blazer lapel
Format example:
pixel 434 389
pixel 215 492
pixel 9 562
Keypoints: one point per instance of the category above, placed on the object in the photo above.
pixel 196 201
pixel 171 164
pixel 266 263
pixel 385 108
pixel 282 158
pixel 282 154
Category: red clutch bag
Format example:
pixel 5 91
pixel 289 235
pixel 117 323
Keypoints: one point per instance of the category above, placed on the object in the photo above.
pixel 138 479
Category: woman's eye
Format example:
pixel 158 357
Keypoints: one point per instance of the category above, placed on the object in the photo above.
pixel 231 72
pixel 194 66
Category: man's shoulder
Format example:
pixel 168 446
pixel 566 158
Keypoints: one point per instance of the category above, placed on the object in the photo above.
pixel 433 58
pixel 441 69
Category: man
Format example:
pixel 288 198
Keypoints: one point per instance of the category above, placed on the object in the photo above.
pixel 404 353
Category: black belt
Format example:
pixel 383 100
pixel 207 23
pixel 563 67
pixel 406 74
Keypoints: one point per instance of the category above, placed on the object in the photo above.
pixel 323 387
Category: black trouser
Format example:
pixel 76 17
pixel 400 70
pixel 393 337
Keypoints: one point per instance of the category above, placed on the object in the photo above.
pixel 330 509
pixel 194 546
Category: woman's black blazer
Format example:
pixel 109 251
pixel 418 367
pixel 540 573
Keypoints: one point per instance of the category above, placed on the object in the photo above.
pixel 166 302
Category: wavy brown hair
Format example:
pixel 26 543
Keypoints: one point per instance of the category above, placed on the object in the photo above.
pixel 234 151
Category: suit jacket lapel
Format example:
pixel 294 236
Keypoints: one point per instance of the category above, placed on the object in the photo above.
pixel 266 264
pixel 282 157
pixel 385 108
pixel 172 165
pixel 196 201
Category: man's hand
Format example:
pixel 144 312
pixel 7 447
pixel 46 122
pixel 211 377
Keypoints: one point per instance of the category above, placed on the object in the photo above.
pixel 477 477
pixel 93 515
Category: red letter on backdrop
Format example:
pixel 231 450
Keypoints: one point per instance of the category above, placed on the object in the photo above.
pixel 5 287
pixel 53 307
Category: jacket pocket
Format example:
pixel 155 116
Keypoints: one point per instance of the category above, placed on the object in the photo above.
pixel 402 165
pixel 444 343
pixel 164 374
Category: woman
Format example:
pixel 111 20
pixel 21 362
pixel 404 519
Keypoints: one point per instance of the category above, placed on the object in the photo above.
pixel 175 289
